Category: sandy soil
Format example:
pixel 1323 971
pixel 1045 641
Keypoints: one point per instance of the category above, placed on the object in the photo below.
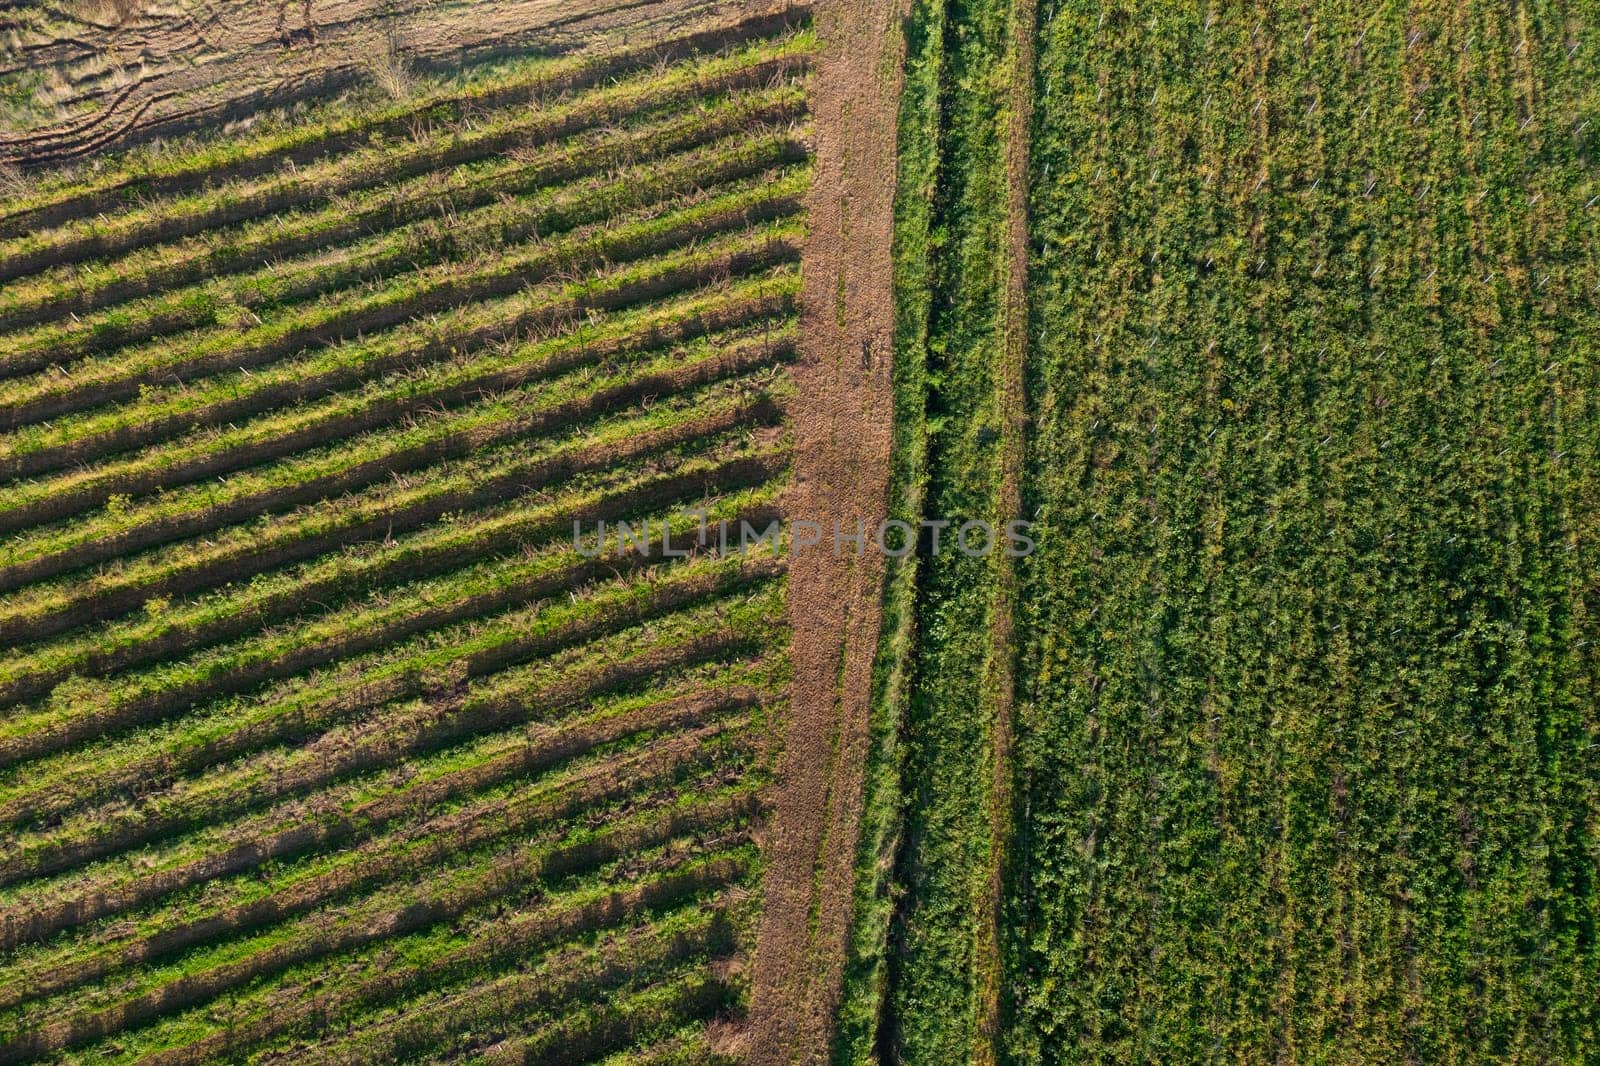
pixel 842 422
pixel 126 71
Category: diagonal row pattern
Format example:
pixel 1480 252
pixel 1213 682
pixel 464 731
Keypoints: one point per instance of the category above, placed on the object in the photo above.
pixel 320 738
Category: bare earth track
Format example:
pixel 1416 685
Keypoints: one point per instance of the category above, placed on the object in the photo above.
pixel 842 425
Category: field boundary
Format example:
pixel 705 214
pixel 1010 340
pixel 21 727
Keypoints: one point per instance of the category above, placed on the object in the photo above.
pixel 842 424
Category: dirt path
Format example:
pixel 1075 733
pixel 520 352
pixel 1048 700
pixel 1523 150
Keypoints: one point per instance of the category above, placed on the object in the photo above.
pixel 842 422
pixel 143 69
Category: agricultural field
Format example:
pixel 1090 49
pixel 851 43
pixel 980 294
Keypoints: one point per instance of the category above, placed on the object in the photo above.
pixel 332 731
pixel 323 738
pixel 1282 324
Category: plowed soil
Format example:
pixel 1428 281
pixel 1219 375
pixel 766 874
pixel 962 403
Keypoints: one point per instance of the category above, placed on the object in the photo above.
pixel 125 72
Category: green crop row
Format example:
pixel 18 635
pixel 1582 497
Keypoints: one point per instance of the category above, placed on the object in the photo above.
pixel 405 417
pixel 436 897
pixel 123 375
pixel 617 174
pixel 646 663
pixel 340 879
pixel 351 217
pixel 299 1007
pixel 83 709
pixel 386 510
pixel 596 767
pixel 232 203
pixel 223 397
pixel 398 619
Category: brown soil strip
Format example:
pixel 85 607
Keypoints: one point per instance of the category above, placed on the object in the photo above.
pixel 842 429
pixel 173 79
pixel 1013 428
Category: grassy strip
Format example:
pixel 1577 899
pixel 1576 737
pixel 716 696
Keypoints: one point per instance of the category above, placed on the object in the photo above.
pixel 859 1016
pixel 231 204
pixel 945 957
pixel 169 413
pixel 995 949
pixel 442 409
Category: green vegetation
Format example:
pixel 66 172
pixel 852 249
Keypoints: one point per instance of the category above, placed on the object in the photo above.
pixel 916 984
pixel 1305 724
pixel 320 738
